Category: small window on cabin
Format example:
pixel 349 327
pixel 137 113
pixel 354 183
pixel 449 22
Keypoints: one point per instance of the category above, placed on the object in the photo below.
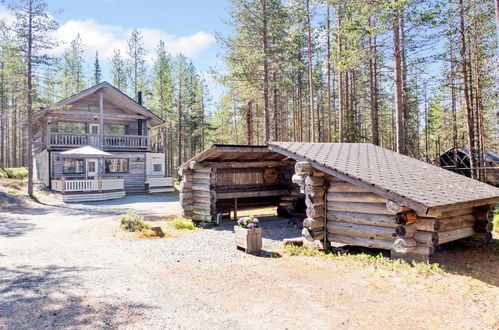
pixel 116 129
pixel 94 108
pixel 73 166
pixel 116 165
pixel 157 168
pixel 71 127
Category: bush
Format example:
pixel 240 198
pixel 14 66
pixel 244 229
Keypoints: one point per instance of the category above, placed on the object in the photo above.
pixel 133 222
pixel 183 224
pixel 14 173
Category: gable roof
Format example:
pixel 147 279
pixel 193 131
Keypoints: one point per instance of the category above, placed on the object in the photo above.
pixel 405 180
pixel 235 152
pixel 117 97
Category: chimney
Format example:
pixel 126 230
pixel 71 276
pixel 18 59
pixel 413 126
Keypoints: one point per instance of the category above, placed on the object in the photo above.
pixel 139 97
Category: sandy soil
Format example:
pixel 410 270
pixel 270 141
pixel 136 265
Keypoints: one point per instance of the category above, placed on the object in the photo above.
pixel 69 266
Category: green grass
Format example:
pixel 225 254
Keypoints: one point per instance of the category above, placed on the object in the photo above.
pixel 364 259
pixel 182 224
pixel 133 222
pixel 14 173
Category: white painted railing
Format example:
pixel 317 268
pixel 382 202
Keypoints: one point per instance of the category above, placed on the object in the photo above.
pixel 74 139
pixel 87 185
pixel 120 141
pixel 110 141
pixel 113 184
pixel 160 181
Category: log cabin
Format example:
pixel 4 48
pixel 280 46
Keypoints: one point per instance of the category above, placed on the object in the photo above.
pixel 354 194
pixel 95 145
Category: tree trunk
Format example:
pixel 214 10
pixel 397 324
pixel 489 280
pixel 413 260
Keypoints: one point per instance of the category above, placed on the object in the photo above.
pixel 29 100
pixel 399 108
pixel 311 111
pixel 249 138
pixel 266 118
pixel 373 89
pixel 329 113
pixel 469 110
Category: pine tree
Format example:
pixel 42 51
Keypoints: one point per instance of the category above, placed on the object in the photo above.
pixel 136 54
pixel 32 26
pixel 97 72
pixel 119 72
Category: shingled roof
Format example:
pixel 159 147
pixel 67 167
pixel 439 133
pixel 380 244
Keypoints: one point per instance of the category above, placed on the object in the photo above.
pixel 408 181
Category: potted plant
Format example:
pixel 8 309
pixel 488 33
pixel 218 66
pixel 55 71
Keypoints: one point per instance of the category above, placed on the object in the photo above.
pixel 248 234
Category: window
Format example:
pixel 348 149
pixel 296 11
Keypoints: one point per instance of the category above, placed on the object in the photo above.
pixel 116 165
pixel 116 129
pixel 157 168
pixel 71 127
pixel 73 166
pixel 94 128
pixel 94 108
pixel 91 166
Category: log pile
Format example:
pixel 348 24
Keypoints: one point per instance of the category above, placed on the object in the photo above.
pixel 312 183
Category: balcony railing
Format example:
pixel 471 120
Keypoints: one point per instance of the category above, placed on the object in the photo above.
pixel 109 141
pixel 74 139
pixel 120 141
pixel 87 185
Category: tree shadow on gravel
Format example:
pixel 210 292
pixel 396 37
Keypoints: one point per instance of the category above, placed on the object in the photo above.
pixel 15 226
pixel 46 297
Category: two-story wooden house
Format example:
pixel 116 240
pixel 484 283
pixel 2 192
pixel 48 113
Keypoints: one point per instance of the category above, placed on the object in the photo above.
pixel 95 145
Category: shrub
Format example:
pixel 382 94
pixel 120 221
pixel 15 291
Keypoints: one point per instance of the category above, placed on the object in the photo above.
pixel 17 172
pixel 183 224
pixel 14 173
pixel 133 222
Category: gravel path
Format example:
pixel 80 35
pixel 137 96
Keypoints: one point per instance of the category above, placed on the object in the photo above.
pixel 68 266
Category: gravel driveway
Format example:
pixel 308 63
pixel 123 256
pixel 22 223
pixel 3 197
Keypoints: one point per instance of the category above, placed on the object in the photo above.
pixel 69 266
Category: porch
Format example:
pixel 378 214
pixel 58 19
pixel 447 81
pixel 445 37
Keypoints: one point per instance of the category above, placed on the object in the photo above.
pixel 79 190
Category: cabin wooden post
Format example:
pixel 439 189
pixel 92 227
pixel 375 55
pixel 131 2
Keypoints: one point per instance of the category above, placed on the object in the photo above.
pixel 101 119
pixel 312 183
pixel 203 198
pixel 186 192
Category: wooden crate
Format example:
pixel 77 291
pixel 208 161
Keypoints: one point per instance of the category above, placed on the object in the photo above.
pixel 249 239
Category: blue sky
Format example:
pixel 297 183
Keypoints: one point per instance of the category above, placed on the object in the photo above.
pixel 186 26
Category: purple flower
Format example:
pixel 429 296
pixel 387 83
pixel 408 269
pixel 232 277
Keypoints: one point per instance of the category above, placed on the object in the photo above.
pixel 251 226
pixel 255 220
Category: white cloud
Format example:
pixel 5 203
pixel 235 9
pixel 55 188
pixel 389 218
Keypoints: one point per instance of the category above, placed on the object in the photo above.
pixel 104 38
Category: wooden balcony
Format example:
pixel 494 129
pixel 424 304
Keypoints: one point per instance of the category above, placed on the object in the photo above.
pixel 108 141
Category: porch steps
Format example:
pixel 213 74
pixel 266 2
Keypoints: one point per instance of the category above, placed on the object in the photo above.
pixel 136 191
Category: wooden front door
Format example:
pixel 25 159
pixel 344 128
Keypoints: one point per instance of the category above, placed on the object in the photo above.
pixel 93 138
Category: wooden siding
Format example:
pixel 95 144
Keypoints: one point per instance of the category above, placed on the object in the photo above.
pixel 135 178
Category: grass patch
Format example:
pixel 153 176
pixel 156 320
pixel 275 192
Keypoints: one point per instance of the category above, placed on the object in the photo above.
pixel 364 259
pixel 255 212
pixel 182 224
pixel 19 173
pixel 133 222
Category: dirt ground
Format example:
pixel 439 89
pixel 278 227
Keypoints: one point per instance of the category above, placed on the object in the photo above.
pixel 70 266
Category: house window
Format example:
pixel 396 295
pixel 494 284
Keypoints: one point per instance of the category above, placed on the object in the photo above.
pixel 71 127
pixel 157 168
pixel 91 167
pixel 73 166
pixel 94 108
pixel 116 165
pixel 116 129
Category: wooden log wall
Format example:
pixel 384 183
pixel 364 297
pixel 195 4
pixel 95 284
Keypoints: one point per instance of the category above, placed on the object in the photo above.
pixel 356 216
pixel 312 184
pixel 196 196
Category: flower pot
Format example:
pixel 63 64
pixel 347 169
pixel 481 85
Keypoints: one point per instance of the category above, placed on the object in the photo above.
pixel 249 239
